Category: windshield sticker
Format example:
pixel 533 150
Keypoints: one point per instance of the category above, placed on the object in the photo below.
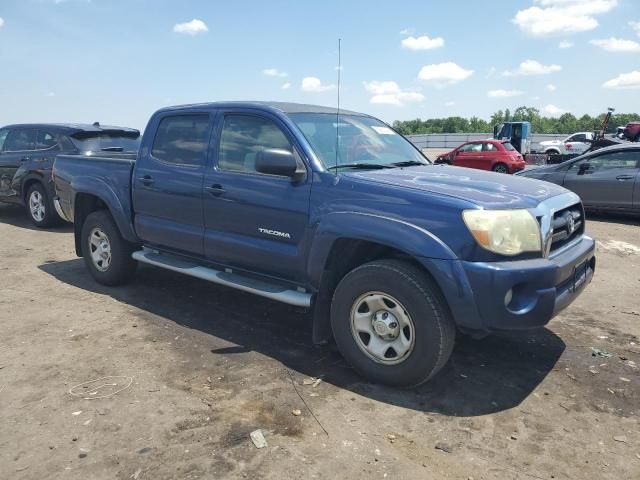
pixel 383 130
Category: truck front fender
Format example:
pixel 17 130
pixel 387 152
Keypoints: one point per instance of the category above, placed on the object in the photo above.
pixel 118 202
pixel 391 232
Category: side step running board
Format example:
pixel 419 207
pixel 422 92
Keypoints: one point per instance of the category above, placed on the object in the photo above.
pixel 233 280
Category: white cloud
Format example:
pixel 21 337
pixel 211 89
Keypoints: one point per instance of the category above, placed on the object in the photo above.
pixel 313 84
pixel 274 72
pixel 1 22
pixel 286 86
pixel 450 103
pixel 422 43
pixel 407 31
pixel 503 93
pixel 617 45
pixel 565 44
pixel 635 26
pixel 447 72
pixel 194 27
pixel 389 93
pixel 551 87
pixel 559 17
pixel 624 80
pixel 532 67
pixel 552 110
pixel 50 94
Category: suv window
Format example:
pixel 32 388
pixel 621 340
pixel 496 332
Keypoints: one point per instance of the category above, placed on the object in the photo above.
pixel 243 136
pixel 45 140
pixel 182 139
pixel 628 159
pixel 489 147
pixel 20 139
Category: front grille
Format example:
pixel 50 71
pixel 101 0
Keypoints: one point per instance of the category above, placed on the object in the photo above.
pixel 567 224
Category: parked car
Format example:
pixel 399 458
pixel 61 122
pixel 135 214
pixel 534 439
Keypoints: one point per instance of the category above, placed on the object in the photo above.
pixel 577 143
pixel 27 153
pixel 632 131
pixel 390 252
pixel 498 156
pixel 606 179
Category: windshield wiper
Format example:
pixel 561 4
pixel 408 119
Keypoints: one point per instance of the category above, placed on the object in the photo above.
pixel 361 166
pixel 409 163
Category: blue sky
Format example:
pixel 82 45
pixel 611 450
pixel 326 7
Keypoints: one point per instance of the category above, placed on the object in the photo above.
pixel 117 61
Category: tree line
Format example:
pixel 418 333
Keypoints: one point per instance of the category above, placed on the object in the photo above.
pixel 566 123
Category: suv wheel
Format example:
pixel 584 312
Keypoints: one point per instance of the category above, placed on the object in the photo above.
pixel 391 323
pixel 40 208
pixel 106 254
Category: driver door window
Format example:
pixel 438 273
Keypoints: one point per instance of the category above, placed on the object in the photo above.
pixel 243 136
pixel 608 161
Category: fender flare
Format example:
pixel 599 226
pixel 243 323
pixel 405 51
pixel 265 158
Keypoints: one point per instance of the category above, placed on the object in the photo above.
pixel 118 208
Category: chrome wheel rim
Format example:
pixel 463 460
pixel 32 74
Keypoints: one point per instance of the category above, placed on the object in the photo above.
pixel 382 328
pixel 100 249
pixel 36 206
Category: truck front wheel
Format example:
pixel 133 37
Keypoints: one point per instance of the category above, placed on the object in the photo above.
pixel 391 323
pixel 106 254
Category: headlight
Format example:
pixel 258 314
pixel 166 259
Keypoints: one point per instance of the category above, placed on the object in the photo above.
pixel 507 232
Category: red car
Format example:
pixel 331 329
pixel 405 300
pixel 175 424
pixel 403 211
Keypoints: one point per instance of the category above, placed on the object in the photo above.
pixel 494 155
pixel 632 131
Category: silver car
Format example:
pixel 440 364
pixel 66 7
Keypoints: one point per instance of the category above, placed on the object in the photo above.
pixel 607 179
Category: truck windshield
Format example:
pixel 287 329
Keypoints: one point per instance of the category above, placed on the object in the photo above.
pixel 103 142
pixel 361 141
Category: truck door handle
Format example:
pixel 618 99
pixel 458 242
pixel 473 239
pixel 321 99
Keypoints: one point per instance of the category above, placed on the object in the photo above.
pixel 25 159
pixel 215 189
pixel 146 180
pixel 625 177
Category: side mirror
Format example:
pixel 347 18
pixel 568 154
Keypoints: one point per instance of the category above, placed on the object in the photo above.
pixel 584 167
pixel 275 161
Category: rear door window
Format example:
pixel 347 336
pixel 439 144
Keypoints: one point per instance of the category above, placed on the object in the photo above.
pixel 45 140
pixel 489 147
pixel 182 139
pixel 20 139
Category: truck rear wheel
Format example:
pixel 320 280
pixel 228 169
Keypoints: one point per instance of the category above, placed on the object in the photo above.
pixel 391 323
pixel 106 254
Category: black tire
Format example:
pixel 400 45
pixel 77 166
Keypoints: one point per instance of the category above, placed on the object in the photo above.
pixel 552 152
pixel 419 298
pixel 500 168
pixel 40 207
pixel 121 266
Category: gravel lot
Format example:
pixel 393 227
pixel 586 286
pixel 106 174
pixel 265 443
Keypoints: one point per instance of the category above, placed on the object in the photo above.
pixel 194 368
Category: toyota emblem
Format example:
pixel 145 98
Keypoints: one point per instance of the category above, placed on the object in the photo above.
pixel 571 224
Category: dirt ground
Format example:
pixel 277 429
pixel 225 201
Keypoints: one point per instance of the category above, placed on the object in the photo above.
pixel 193 368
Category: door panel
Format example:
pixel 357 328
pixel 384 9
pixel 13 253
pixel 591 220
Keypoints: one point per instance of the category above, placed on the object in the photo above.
pixel 252 220
pixel 17 148
pixel 167 184
pixel 607 182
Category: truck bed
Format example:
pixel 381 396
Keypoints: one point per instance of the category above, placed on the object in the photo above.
pixel 108 176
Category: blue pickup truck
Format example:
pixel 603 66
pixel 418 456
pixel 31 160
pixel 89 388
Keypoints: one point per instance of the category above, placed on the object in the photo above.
pixel 336 212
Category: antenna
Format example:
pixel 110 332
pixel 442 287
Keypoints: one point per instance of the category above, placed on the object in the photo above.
pixel 338 108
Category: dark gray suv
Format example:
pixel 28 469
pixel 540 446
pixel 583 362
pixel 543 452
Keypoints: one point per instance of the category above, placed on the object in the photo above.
pixel 27 152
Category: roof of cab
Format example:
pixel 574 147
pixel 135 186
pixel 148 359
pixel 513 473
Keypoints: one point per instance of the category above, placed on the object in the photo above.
pixel 283 107
pixel 71 128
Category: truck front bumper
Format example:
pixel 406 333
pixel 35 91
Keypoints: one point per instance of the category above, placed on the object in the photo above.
pixel 515 295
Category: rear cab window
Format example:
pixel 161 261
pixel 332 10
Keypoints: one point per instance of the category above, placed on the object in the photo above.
pixel 182 139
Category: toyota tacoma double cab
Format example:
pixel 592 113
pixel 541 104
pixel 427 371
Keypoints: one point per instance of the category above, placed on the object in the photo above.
pixel 333 211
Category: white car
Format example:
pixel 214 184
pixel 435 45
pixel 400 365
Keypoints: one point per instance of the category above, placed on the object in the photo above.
pixel 577 143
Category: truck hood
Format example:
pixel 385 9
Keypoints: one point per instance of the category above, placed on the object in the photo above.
pixel 482 188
